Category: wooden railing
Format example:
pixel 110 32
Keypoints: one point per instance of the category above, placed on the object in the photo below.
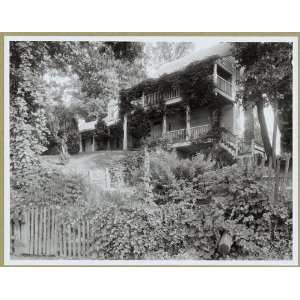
pixel 199 131
pixel 176 136
pixel 224 85
pixel 230 141
pixel 247 148
pixel 172 93
pixel 155 98
pixel 152 99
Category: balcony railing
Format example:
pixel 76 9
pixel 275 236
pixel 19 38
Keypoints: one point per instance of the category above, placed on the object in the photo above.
pixel 152 99
pixel 171 94
pixel 176 136
pixel 155 98
pixel 180 135
pixel 224 85
pixel 199 131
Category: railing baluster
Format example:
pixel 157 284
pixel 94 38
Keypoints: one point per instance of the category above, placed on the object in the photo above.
pixel 224 85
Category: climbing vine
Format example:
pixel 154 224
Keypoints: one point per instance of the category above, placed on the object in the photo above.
pixel 194 81
pixel 196 88
pixel 103 132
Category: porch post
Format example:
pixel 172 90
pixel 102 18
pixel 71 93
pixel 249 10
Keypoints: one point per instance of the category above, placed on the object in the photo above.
pixel 108 140
pixel 143 100
pixel 215 74
pixel 188 122
pixel 125 132
pixel 93 145
pixel 80 142
pixel 164 125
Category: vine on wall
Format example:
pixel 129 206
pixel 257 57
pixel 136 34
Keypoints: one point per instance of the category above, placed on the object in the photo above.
pixel 196 89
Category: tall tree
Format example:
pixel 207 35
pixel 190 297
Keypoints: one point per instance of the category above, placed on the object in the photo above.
pixel 267 79
pixel 27 115
pixel 159 53
pixel 103 69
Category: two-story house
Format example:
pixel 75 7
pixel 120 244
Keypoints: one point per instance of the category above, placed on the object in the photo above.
pixel 182 123
pixel 189 123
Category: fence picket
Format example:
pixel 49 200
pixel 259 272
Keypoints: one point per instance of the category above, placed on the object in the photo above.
pixel 87 236
pixel 74 241
pixel 31 231
pixel 43 212
pixel 83 240
pixel 48 232
pixel 79 240
pixel 64 240
pixel 52 231
pixel 39 230
pixel 60 241
pixel 36 227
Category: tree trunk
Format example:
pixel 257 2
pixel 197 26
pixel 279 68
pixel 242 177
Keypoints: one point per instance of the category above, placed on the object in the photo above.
pixel 249 124
pixel 274 139
pixel 263 128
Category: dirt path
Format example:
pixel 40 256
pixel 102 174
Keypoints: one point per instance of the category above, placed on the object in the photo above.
pixel 86 162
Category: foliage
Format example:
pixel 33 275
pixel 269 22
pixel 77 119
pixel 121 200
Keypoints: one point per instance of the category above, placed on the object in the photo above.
pixel 73 143
pixel 63 126
pixel 27 115
pixel 102 133
pixel 267 79
pixel 105 133
pixel 132 165
pixel 194 81
pixel 103 69
pixel 193 205
pixel 139 123
pixel 23 160
pixel 66 193
pixel 160 53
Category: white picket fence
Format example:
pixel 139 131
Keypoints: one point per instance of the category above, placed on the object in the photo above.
pixel 41 232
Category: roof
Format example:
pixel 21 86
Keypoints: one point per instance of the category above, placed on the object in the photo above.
pixel 86 126
pixel 222 49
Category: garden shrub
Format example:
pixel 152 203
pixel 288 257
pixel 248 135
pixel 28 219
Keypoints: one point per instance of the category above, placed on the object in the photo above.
pixel 185 218
pixel 73 141
pixel 50 187
pixel 190 224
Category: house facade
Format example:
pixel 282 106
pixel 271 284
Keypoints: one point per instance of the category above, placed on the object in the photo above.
pixel 183 125
pixel 87 131
pixel 185 128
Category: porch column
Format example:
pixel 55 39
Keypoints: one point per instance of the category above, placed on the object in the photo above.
pixel 164 125
pixel 143 100
pixel 108 140
pixel 93 144
pixel 215 74
pixel 80 142
pixel 125 132
pixel 188 122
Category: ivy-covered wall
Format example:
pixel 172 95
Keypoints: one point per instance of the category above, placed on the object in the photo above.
pixel 196 90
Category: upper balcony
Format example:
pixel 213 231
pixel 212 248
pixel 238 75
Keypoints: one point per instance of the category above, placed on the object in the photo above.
pixel 171 96
pixel 223 76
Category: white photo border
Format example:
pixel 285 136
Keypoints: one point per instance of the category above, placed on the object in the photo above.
pixel 185 37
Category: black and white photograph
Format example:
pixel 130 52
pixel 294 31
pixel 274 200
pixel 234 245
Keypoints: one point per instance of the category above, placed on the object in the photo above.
pixel 151 150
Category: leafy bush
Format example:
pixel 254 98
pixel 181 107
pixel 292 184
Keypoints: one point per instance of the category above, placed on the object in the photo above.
pixel 73 143
pixel 191 222
pixel 50 187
